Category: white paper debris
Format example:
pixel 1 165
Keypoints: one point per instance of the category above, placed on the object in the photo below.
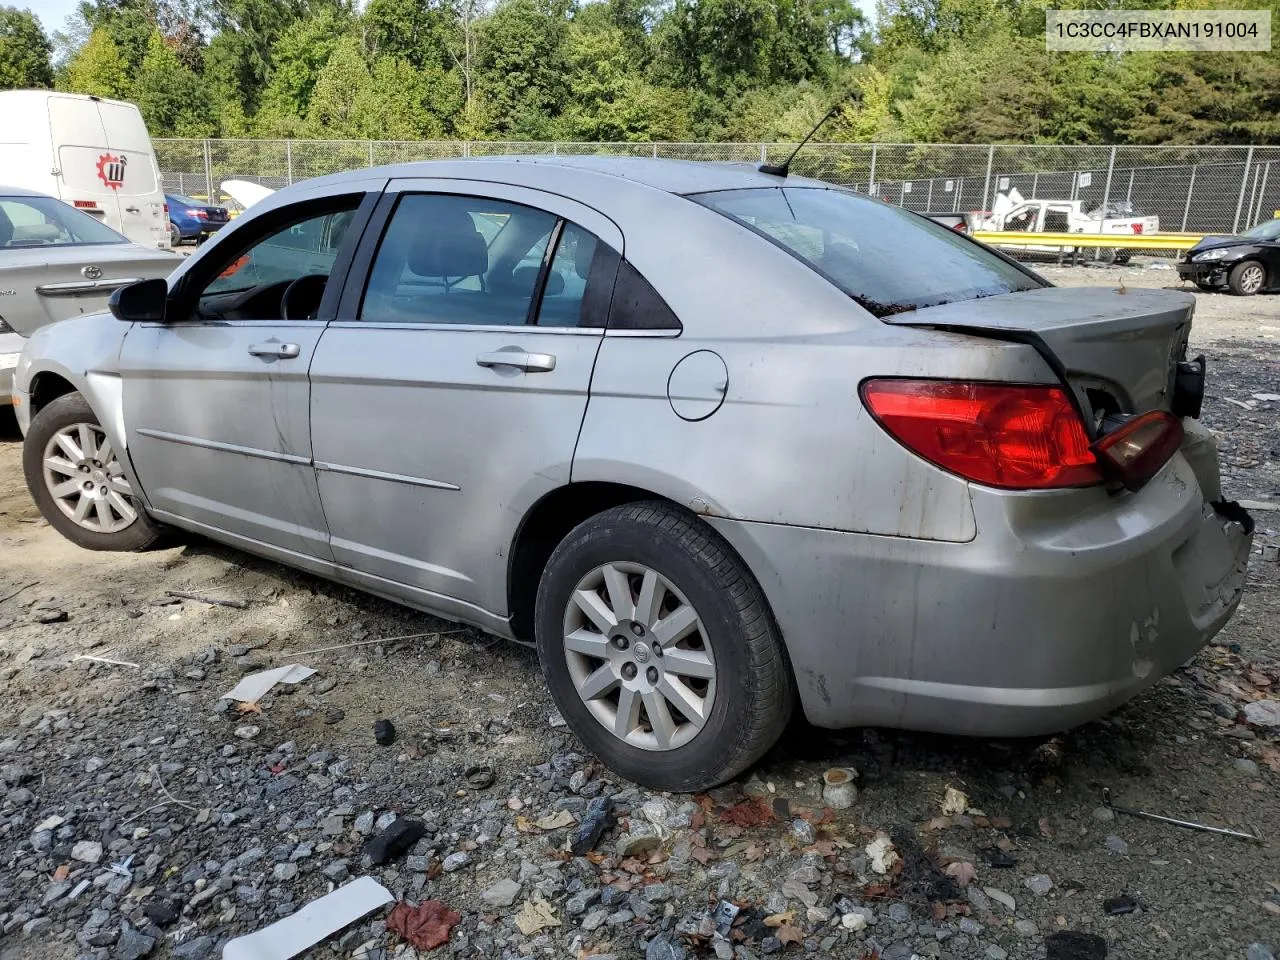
pixel 881 854
pixel 254 687
pixel 1267 397
pixel 318 919
pixel 954 802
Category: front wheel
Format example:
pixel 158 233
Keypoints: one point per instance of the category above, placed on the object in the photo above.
pixel 1246 279
pixel 660 650
pixel 75 476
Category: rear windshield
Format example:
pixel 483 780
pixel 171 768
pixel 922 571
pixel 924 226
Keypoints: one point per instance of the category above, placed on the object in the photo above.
pixel 185 201
pixel 46 222
pixel 887 259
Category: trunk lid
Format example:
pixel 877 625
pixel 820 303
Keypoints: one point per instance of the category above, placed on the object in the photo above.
pixel 47 284
pixel 1116 349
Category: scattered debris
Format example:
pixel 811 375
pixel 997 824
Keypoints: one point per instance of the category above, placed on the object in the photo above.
pixel 212 601
pixel 116 663
pixel 394 841
pixel 838 791
pixel 1075 945
pixel 1267 397
pixel 365 643
pixel 426 926
pixel 1118 906
pixel 594 823
pixel 1039 884
pixel 723 916
pixel 317 920
pixel 480 777
pixel 25 586
pixel 962 872
pixel 954 802
pixel 749 813
pixel 254 686
pixel 536 915
pixel 881 854
pixel 384 733
pixel 1106 798
pixel 999 896
pixel 998 859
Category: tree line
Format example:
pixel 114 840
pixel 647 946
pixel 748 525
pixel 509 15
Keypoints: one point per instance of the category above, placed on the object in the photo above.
pixel 636 70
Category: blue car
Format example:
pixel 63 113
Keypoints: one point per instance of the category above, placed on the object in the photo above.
pixel 192 220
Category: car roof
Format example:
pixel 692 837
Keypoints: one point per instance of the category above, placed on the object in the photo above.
pixel 668 176
pixel 20 192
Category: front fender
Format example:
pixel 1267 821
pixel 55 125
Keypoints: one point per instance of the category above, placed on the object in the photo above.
pixel 85 353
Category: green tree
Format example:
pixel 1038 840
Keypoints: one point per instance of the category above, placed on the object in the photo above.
pixel 340 102
pixel 98 68
pixel 24 51
pixel 416 31
pixel 521 65
pixel 171 97
pixel 408 103
pixel 129 23
pixel 297 59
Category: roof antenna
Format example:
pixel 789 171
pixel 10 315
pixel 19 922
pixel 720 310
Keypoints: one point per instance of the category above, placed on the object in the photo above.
pixel 784 168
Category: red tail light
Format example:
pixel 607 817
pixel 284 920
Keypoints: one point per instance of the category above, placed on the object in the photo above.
pixel 166 209
pixel 200 214
pixel 1135 451
pixel 1015 436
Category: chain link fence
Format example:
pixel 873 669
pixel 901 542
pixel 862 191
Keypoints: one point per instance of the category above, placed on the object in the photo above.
pixel 1191 189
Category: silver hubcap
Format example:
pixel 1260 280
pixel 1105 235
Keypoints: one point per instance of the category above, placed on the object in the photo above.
pixel 639 656
pixel 85 478
pixel 1251 279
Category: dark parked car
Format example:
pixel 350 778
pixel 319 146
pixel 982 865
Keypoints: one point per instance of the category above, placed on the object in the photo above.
pixel 192 220
pixel 1247 264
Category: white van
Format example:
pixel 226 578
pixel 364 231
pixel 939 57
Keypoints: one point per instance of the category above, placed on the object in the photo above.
pixel 92 153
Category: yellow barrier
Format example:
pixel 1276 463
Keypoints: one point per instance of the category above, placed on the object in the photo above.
pixel 1128 241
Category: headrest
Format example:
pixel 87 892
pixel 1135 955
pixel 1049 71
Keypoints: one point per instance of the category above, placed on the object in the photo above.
pixel 583 255
pixel 523 279
pixel 448 245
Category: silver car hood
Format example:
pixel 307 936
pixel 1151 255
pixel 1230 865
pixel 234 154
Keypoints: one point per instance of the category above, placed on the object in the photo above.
pixel 43 284
pixel 1125 342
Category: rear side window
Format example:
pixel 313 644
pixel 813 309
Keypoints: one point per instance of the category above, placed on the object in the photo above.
pixel 887 259
pixel 637 305
pixel 45 222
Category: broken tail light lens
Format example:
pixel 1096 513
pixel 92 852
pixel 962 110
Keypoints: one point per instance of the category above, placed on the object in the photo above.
pixel 1135 451
pixel 1012 436
pixel 1137 228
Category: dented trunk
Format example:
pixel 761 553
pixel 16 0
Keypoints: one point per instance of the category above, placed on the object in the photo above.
pixel 1118 349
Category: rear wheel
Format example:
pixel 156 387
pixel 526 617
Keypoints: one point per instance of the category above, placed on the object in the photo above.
pixel 660 650
pixel 175 237
pixel 1246 278
pixel 77 481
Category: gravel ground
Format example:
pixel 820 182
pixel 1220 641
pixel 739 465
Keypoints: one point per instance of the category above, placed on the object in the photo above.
pixel 221 822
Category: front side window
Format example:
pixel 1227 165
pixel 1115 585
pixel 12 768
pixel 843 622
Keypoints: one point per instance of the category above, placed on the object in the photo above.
pixel 479 261
pixel 252 283
pixel 886 259
pixel 46 222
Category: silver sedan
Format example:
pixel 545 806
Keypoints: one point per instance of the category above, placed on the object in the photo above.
pixel 716 440
pixel 57 262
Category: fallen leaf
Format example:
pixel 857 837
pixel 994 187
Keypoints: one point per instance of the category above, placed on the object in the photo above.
pixel 248 707
pixel 963 872
pixel 778 919
pixel 939 823
pixel 703 855
pixel 704 801
pixel 555 821
pixel 730 831
pixel 426 926
pixel 749 813
pixel 596 857
pixel 525 825
pixel 536 915
pixel 1001 823
pixel 632 865
pixel 754 853
pixel 697 821
pixel 939 911
pixel 1046 830
pixel 61 873
pixel 789 934
pixel 824 848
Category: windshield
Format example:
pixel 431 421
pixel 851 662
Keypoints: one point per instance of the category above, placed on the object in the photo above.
pixel 46 222
pixel 887 259
pixel 1266 230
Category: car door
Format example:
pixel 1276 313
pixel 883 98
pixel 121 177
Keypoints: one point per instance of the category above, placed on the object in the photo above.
pixel 216 399
pixel 447 396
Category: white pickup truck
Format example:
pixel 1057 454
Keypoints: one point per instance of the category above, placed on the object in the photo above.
pixel 1011 212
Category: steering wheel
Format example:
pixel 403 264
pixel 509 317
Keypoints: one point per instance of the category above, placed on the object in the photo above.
pixel 301 299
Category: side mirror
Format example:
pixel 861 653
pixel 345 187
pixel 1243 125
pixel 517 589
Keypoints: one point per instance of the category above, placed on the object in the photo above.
pixel 141 302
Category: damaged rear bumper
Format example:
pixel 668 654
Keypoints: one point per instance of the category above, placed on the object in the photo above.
pixel 1061 608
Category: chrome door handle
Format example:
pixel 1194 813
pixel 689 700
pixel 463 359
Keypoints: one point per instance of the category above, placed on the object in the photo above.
pixel 133 209
pixel 515 357
pixel 285 351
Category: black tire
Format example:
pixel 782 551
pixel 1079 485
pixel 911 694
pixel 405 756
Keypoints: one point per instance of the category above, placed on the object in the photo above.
pixel 1206 286
pixel 754 688
pixel 69 410
pixel 175 238
pixel 1241 279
